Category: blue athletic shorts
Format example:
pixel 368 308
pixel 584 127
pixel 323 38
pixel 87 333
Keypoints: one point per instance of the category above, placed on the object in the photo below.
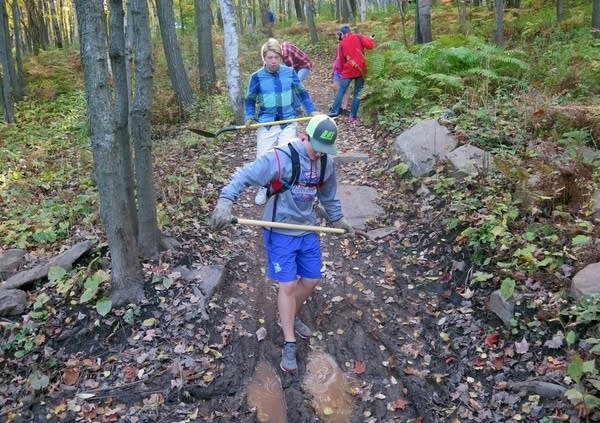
pixel 291 256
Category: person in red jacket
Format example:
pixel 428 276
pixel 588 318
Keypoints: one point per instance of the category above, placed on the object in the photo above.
pixel 354 68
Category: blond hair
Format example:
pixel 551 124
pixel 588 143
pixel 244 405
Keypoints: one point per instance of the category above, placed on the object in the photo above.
pixel 271 45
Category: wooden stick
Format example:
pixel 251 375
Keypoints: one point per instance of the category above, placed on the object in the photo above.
pixel 287 226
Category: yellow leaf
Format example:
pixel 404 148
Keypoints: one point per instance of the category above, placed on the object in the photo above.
pixel 149 322
pixel 444 336
pixel 328 411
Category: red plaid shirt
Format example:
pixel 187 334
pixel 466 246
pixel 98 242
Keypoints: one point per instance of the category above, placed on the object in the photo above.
pixel 294 57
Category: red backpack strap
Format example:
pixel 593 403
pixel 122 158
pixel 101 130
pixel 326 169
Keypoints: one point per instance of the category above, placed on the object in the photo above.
pixel 276 182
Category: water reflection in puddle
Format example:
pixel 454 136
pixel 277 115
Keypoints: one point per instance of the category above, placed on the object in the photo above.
pixel 329 387
pixel 265 393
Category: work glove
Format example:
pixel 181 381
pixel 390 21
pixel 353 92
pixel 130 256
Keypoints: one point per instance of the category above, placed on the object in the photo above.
pixel 316 113
pixel 249 122
pixel 344 224
pixel 221 216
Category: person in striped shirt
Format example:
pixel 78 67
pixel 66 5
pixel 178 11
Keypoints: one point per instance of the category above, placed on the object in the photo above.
pixel 272 89
pixel 298 60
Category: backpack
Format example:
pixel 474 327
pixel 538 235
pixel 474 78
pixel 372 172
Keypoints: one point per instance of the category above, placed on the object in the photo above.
pixel 278 185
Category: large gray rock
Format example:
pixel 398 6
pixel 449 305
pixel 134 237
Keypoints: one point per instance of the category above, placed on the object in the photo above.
pixel 12 302
pixel 423 144
pixel 586 281
pixel 470 159
pixel 10 262
pixel 358 204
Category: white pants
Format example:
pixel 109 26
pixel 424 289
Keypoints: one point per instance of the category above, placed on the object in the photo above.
pixel 274 136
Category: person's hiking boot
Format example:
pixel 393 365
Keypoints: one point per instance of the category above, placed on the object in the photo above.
pixel 261 196
pixel 301 329
pixel 288 357
pixel 343 112
pixel 352 119
pixel 332 114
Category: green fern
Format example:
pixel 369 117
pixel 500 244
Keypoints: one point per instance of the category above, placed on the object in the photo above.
pixel 444 80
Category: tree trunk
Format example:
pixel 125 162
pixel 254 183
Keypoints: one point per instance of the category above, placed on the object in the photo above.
pixel 127 278
pixel 310 20
pixel 206 60
pixel 462 16
pixel 596 19
pixel 267 26
pixel 148 232
pixel 179 79
pixel 33 27
pixel 5 62
pixel 560 10
pixel 363 10
pixel 423 22
pixel 18 51
pixel 299 10
pixel 58 40
pixel 232 67
pixel 499 23
pixel 119 66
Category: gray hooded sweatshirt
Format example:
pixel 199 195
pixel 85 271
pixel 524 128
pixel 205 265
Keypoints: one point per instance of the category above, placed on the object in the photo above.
pixel 295 205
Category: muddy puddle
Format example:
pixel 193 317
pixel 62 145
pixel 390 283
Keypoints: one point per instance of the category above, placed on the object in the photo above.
pixel 329 387
pixel 265 393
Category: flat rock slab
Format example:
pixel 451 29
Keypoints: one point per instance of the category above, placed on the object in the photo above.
pixel 359 204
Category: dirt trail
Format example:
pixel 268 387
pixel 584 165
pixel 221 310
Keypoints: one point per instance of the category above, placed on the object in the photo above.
pixel 395 323
pixel 372 314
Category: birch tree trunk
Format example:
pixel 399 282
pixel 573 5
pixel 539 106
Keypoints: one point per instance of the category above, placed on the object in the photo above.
pixel 127 279
pixel 148 233
pixel 179 79
pixel 232 68
pixel 363 10
pixel 206 60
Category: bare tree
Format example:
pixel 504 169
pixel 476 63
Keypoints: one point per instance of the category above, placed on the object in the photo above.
pixel 121 103
pixel 127 278
pixel 179 79
pixel 16 12
pixel 423 21
pixel 560 10
pixel 310 20
pixel 148 233
pixel 232 67
pixel 596 19
pixel 499 23
pixel 206 61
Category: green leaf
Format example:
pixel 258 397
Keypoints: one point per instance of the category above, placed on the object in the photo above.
pixel 103 306
pixel 38 380
pixel 574 396
pixel 571 338
pixel 507 289
pixel 55 273
pixel 589 367
pixel 167 282
pixel 580 239
pixel 575 368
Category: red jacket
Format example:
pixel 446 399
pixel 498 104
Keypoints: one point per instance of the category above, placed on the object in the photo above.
pixel 352 47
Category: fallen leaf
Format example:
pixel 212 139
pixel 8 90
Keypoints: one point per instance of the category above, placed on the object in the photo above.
pixel 522 347
pixel 492 339
pixel 360 367
pixel 399 404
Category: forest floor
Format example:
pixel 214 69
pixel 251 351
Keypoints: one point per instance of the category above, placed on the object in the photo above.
pixel 400 334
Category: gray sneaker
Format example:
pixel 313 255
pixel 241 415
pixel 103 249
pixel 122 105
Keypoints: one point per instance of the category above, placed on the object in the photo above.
pixel 288 357
pixel 301 329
